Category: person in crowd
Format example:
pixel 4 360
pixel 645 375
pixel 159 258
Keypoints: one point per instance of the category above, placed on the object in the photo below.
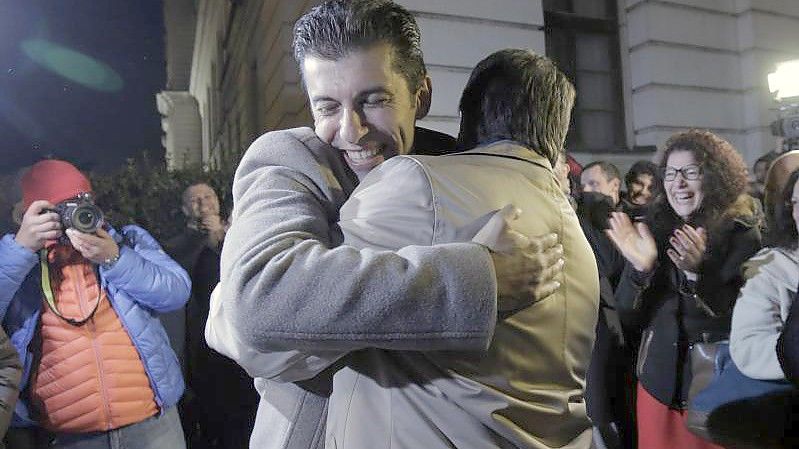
pixel 600 193
pixel 525 390
pixel 608 393
pixel 778 177
pixel 575 170
pixel 561 170
pixel 772 277
pixel 568 172
pixel 778 174
pixel 759 171
pixel 683 276
pixel 288 285
pixel 10 376
pixel 82 310
pixel 760 315
pixel 218 410
pixel 602 177
pixel 644 185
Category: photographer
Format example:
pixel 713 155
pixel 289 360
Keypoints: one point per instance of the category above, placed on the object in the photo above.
pixel 81 310
pixel 219 407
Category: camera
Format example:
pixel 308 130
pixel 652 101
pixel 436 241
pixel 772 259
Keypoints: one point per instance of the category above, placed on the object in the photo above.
pixel 80 213
pixel 786 126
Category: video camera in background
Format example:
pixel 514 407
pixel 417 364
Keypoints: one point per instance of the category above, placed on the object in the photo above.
pixel 787 125
pixel 784 84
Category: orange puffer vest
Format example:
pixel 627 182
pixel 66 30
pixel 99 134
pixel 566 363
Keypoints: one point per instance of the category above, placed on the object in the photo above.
pixel 90 377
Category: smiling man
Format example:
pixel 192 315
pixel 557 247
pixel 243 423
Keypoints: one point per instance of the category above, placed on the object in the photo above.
pixel 292 299
pixel 363 107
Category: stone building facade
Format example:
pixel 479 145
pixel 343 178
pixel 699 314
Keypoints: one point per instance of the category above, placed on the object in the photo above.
pixel 644 69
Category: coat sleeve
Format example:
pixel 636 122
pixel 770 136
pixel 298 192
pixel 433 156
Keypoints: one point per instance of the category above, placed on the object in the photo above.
pixel 757 319
pixel 285 285
pixel 147 274
pixel 630 295
pixel 282 366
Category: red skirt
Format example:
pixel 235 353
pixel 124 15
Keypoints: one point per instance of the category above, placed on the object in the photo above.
pixel 660 427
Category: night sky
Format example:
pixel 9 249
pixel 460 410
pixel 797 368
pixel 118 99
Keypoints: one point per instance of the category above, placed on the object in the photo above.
pixel 78 80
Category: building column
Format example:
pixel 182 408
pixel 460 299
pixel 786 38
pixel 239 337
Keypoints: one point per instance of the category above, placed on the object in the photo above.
pixel 180 121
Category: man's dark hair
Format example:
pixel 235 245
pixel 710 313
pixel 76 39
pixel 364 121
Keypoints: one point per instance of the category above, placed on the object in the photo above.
pixel 335 28
pixel 645 168
pixel 783 233
pixel 518 95
pixel 611 171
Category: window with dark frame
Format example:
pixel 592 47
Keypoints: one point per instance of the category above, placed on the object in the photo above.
pixel 582 37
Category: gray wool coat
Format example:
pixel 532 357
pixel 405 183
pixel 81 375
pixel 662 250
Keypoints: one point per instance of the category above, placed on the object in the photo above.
pixel 292 300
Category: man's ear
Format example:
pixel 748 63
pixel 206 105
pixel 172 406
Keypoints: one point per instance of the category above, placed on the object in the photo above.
pixel 616 184
pixel 424 96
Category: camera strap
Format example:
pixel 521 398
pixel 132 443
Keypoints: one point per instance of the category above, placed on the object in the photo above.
pixel 50 298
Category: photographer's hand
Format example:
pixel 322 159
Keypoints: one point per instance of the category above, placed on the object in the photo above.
pixel 38 226
pixel 96 248
pixel 214 228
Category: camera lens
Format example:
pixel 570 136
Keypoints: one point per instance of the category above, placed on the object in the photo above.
pixel 86 218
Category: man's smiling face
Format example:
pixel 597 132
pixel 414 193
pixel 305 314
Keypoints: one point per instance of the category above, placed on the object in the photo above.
pixel 362 106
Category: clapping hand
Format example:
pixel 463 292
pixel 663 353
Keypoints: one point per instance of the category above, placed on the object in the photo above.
pixel 688 246
pixel 634 241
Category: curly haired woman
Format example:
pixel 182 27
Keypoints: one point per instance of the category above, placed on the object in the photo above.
pixel 683 276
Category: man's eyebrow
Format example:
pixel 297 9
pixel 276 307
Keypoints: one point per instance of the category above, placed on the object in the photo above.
pixel 361 94
pixel 374 90
pixel 323 98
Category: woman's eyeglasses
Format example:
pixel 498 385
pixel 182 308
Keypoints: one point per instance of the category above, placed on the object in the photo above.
pixel 690 172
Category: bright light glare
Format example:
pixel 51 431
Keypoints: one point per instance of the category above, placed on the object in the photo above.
pixel 785 81
pixel 73 65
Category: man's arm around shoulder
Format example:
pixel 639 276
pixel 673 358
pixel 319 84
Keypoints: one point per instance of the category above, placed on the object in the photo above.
pixel 285 285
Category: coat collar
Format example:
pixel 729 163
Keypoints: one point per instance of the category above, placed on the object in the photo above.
pixel 511 149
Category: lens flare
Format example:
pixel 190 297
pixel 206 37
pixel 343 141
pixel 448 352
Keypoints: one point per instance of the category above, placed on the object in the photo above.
pixel 73 65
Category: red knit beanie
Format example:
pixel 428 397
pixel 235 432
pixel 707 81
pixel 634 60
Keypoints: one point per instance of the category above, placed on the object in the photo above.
pixel 54 181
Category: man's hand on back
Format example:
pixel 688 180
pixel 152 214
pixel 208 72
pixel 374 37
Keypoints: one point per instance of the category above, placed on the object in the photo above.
pixel 526 268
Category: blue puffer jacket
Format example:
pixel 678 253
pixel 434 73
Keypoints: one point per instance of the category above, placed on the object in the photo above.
pixel 144 282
